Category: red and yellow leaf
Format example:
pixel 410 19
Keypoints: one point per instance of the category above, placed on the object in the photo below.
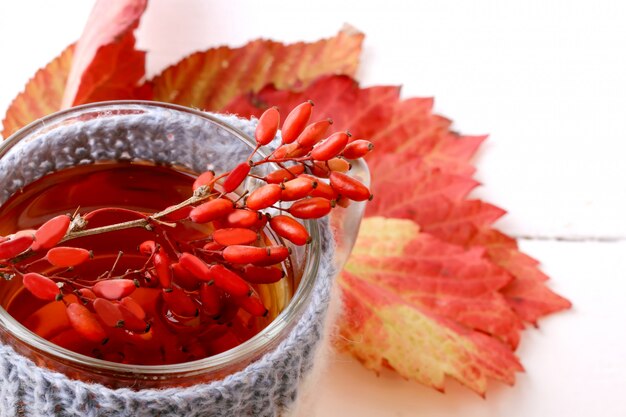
pixel 211 79
pixel 426 308
pixel 103 65
pixel 106 65
pixel 41 96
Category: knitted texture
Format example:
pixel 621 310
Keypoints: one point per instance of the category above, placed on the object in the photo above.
pixel 266 387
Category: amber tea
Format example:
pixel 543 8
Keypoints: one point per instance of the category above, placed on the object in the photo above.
pixel 160 322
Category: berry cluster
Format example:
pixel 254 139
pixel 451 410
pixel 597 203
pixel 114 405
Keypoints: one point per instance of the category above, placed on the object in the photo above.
pixel 200 280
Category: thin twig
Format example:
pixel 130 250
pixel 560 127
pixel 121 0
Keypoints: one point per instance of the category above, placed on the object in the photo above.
pixel 142 223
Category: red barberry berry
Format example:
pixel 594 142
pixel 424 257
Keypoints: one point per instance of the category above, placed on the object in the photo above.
pixel 253 304
pixel 133 307
pixel 311 208
pixel 330 147
pixel 179 302
pixel 296 121
pixel 349 187
pixel 338 165
pixel 210 299
pixel 148 247
pixel 243 218
pixel 114 289
pixel 66 256
pixel 229 281
pixel 236 177
pixel 85 323
pixel 162 266
pixel 133 315
pixel 41 286
pixel 284 174
pixel 262 274
pixel 264 197
pixel 234 236
pixel 183 278
pixel 267 127
pixel 240 254
pixel 357 149
pixel 212 210
pixel 206 178
pixel 15 245
pixel 51 232
pixel 108 312
pixel 196 266
pixel 313 133
pixel 289 228
pixel 324 190
pixel 297 188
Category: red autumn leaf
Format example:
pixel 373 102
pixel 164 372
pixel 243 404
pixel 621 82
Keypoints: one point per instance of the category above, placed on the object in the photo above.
pixel 211 79
pixel 407 127
pixel 103 65
pixel 425 187
pixel 426 308
pixel 434 163
pixel 41 96
pixel 421 171
pixel 106 65
pixel 527 294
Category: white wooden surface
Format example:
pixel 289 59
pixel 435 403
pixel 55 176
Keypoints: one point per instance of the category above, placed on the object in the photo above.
pixel 547 79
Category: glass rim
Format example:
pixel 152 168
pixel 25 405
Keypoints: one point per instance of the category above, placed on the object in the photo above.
pixel 242 353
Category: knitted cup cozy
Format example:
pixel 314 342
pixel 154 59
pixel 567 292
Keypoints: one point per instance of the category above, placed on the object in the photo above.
pixel 266 387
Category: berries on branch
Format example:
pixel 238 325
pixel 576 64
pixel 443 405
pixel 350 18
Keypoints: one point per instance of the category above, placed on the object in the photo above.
pixel 200 280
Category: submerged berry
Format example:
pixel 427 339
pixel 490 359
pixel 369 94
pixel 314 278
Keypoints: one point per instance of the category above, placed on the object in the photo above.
pixel 234 236
pixel 85 323
pixel 229 281
pixel 114 289
pixel 41 287
pixel 65 256
pixel 262 274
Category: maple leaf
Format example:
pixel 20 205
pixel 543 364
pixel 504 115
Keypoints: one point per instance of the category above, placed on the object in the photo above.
pixel 211 79
pixel 426 308
pixel 103 65
pixel 106 65
pixel 423 187
pixel 41 96
pixel 407 127
pixel 527 294
pixel 420 169
pixel 468 223
pixel 421 172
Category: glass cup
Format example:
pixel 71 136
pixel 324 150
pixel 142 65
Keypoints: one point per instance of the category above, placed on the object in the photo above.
pixel 188 140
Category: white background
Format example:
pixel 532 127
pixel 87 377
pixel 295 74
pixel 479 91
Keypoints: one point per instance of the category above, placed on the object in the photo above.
pixel 547 80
